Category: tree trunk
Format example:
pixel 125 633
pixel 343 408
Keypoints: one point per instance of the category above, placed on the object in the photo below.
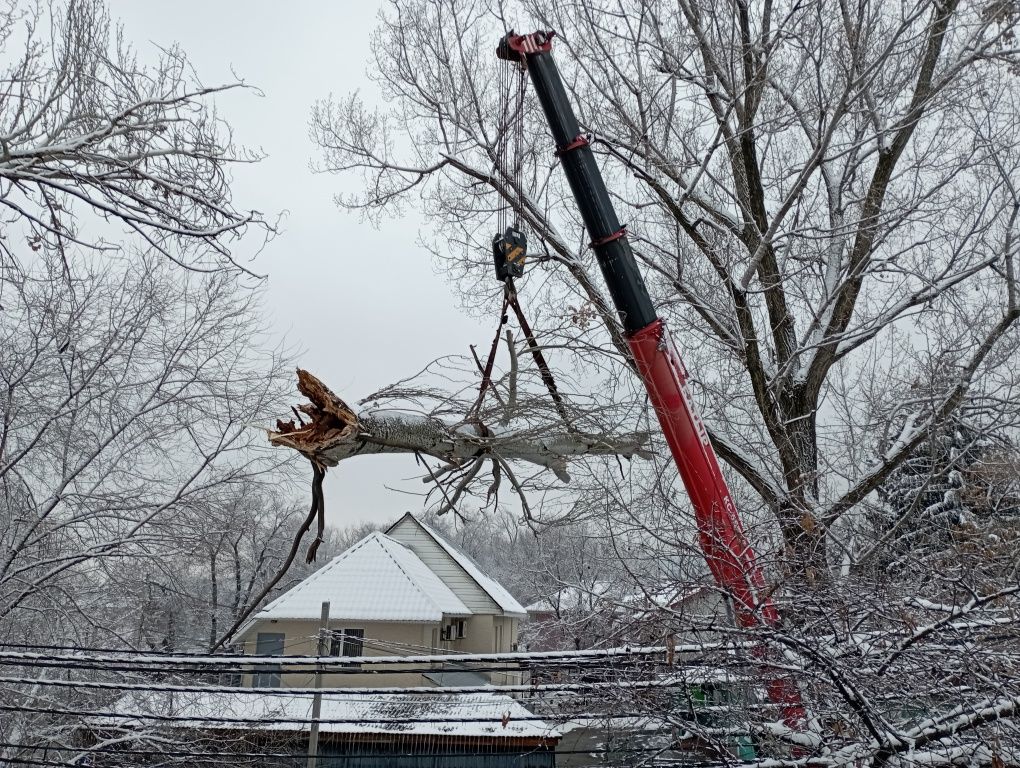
pixel 803 536
pixel 214 595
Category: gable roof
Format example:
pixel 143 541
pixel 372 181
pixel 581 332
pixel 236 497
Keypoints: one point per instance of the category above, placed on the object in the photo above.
pixel 507 603
pixel 378 579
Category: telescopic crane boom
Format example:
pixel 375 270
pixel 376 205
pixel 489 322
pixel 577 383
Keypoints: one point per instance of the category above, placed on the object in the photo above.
pixel 723 541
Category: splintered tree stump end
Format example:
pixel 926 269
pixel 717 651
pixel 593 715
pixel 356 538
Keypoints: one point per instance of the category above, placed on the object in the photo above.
pixel 331 422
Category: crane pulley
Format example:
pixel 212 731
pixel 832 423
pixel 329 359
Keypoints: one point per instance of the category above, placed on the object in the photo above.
pixel 509 250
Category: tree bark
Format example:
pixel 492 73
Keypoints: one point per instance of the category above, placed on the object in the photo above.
pixel 335 432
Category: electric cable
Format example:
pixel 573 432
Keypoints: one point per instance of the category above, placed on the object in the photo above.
pixel 379 691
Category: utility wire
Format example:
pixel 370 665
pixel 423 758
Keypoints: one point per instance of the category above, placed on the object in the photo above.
pixel 236 659
pixel 299 756
pixel 342 669
pixel 388 691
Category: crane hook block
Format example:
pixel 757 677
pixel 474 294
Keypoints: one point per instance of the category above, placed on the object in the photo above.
pixel 509 250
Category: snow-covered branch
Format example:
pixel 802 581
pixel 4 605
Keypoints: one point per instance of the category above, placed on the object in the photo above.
pixel 84 127
pixel 916 433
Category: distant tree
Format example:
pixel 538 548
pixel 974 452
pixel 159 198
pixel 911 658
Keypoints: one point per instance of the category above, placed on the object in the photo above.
pixel 96 147
pixel 342 539
pixel 128 384
pixel 221 550
pixel 128 396
pixel 133 360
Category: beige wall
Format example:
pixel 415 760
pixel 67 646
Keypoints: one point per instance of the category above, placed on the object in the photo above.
pixel 398 639
pixel 483 634
pixel 489 634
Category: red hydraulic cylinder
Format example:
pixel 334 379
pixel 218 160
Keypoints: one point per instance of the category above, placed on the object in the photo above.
pixel 727 551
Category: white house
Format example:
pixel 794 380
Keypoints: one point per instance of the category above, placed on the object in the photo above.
pixel 403 592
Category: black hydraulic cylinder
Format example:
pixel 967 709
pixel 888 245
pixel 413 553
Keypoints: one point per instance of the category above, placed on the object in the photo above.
pixel 608 237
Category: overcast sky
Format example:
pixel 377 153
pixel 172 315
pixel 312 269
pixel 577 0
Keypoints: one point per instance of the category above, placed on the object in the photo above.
pixel 364 306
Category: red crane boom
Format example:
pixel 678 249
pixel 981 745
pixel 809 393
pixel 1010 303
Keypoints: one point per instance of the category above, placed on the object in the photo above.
pixel 725 545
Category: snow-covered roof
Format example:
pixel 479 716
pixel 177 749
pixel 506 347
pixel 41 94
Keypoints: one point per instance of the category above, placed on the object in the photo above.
pixel 378 579
pixel 493 588
pixel 667 597
pixel 463 714
pixel 574 598
pixel 542 605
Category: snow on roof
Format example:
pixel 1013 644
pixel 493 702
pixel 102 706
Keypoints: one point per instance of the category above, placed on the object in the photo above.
pixel 603 594
pixel 378 579
pixel 475 714
pixel 542 605
pixel 574 598
pixel 668 597
pixel 493 588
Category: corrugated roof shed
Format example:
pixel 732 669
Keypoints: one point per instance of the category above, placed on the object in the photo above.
pixel 457 715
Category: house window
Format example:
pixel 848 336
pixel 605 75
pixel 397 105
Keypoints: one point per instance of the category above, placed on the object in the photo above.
pixel 268 644
pixel 348 642
pixel 235 678
pixel 461 625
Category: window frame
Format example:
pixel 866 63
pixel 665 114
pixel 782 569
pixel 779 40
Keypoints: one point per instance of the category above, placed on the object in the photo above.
pixel 268 675
pixel 349 641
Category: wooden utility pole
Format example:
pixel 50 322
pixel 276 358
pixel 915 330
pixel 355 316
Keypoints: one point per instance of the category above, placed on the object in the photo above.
pixel 321 650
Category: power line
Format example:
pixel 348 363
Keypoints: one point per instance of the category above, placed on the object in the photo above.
pixel 332 664
pixel 379 691
pixel 224 659
pixel 342 669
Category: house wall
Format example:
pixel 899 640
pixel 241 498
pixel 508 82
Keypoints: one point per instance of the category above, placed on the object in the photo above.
pixel 417 747
pixel 707 608
pixel 429 751
pixel 410 534
pixel 301 640
pixel 491 634
pixel 397 639
pixel 505 629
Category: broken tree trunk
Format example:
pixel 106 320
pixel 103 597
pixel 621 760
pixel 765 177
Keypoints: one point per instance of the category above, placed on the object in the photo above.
pixel 335 432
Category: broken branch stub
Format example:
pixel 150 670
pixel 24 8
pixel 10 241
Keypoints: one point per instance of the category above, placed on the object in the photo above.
pixel 335 432
pixel 333 423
